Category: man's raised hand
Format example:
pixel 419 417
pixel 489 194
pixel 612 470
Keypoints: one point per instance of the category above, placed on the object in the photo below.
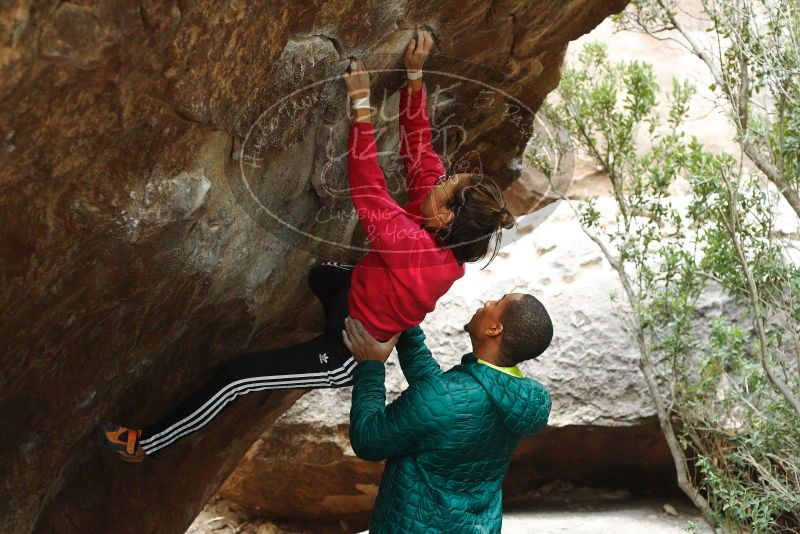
pixel 362 345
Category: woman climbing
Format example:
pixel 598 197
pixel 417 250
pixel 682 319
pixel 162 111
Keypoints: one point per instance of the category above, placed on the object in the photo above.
pixel 416 253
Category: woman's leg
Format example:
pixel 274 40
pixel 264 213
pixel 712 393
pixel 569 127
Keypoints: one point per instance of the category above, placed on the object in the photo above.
pixel 321 362
pixel 312 364
pixel 330 281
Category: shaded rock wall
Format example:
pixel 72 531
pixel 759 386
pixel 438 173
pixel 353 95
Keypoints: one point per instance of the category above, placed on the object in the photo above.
pixel 137 249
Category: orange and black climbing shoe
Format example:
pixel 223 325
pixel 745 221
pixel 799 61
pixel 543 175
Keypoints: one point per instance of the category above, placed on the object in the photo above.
pixel 124 441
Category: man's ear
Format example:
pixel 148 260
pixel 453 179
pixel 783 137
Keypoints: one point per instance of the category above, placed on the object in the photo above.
pixel 495 330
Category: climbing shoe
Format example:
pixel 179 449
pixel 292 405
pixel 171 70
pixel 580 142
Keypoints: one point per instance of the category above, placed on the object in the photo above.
pixel 124 441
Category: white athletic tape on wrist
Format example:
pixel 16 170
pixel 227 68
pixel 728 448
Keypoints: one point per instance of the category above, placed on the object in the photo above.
pixel 413 75
pixel 360 103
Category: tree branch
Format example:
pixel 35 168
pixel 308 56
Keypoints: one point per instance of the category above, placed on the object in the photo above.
pixel 648 370
pixel 754 297
pixel 762 161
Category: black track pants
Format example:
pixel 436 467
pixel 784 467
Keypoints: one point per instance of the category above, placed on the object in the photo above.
pixel 323 362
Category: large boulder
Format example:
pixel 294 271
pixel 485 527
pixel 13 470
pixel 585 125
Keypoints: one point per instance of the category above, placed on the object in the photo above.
pixel 602 429
pixel 159 213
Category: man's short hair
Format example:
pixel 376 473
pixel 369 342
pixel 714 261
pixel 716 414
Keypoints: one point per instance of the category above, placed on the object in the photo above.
pixel 527 329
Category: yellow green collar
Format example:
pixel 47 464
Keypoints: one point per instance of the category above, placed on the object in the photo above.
pixel 513 371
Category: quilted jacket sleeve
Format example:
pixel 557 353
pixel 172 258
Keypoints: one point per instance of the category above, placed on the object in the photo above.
pixel 416 360
pixel 410 424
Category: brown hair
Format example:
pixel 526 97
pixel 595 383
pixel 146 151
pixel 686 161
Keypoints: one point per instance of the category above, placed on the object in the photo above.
pixel 480 215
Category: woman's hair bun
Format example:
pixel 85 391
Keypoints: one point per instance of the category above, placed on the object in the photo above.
pixel 506 218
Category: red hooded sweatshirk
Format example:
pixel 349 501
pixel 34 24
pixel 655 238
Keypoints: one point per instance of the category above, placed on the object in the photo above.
pixel 405 272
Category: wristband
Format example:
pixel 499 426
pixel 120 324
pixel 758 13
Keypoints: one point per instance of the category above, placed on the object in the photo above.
pixel 414 75
pixel 360 103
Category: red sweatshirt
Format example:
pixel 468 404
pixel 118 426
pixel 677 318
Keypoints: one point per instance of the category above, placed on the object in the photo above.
pixel 405 272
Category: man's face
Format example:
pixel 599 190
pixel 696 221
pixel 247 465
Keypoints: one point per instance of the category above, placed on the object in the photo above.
pixel 487 320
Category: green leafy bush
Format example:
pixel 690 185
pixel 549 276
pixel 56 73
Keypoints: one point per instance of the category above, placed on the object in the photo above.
pixel 725 380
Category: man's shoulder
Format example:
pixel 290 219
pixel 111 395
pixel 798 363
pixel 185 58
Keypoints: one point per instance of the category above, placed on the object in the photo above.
pixel 432 385
pixel 458 380
pixel 431 397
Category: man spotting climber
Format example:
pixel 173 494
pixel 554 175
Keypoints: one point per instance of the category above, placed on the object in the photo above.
pixel 449 437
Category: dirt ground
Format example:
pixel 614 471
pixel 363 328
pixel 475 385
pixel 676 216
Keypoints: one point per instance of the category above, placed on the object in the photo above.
pixel 627 515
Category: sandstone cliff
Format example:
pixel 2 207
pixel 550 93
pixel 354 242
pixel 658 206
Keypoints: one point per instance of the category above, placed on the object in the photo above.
pixel 143 240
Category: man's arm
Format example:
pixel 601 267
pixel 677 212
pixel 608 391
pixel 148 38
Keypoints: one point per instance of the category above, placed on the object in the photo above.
pixel 416 359
pixel 409 425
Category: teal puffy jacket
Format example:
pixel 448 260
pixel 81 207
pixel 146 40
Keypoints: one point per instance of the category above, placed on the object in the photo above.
pixel 448 439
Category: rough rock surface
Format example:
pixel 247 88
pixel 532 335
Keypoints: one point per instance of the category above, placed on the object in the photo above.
pixel 602 430
pixel 136 249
